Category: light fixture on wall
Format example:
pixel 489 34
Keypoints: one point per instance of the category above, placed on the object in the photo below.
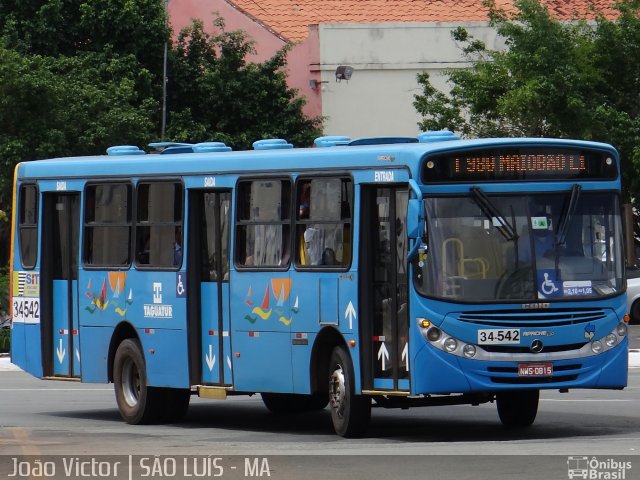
pixel 314 84
pixel 343 72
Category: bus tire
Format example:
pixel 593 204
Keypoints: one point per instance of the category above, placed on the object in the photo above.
pixel 350 413
pixel 177 404
pixel 137 402
pixel 518 409
pixel 291 403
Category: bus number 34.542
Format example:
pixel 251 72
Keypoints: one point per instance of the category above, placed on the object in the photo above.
pixel 499 336
pixel 26 310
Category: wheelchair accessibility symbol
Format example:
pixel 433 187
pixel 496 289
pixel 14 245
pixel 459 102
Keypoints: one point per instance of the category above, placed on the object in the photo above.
pixel 181 288
pixel 547 284
pixel 548 287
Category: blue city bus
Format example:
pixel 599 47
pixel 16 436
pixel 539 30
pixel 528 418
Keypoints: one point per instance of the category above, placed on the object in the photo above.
pixel 391 272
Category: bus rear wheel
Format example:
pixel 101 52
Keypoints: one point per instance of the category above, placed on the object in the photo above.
pixel 350 413
pixel 137 402
pixel 290 403
pixel 518 409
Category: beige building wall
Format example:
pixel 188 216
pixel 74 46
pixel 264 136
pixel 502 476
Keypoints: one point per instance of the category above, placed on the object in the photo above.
pixel 386 59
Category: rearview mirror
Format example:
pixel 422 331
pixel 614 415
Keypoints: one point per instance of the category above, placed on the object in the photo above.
pixel 415 218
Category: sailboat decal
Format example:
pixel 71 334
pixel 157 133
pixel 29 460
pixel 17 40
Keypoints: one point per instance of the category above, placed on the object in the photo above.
pixel 101 302
pixel 263 311
pixel 248 300
pixel 281 297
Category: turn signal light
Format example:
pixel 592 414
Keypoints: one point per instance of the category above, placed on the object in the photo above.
pixel 626 318
pixel 425 323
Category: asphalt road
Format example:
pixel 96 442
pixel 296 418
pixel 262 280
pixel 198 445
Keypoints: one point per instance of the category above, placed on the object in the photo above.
pixel 63 422
pixel 77 420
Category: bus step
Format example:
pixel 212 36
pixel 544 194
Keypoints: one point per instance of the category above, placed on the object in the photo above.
pixel 215 393
pixel 389 393
pixel 63 379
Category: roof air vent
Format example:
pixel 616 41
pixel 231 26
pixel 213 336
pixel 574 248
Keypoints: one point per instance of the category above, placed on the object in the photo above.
pixel 331 141
pixel 124 150
pixel 271 144
pixel 177 149
pixel 382 141
pixel 210 147
pixel 163 145
pixel 437 136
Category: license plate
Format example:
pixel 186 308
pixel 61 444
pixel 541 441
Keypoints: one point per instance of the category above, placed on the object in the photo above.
pixel 535 370
pixel 499 336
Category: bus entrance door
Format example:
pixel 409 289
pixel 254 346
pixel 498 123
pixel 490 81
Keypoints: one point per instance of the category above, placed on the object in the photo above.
pixel 208 271
pixel 383 271
pixel 59 328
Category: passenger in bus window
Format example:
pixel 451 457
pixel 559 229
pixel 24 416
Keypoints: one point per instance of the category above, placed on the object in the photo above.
pixel 305 199
pixel 329 257
pixel 177 247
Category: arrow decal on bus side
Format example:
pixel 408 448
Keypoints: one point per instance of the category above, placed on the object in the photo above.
pixel 383 354
pixel 210 358
pixel 350 313
pixel 61 352
pixel 405 355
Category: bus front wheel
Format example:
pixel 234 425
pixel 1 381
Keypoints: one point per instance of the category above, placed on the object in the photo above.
pixel 137 402
pixel 350 413
pixel 518 409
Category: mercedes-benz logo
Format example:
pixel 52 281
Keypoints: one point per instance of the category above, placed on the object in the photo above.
pixel 536 346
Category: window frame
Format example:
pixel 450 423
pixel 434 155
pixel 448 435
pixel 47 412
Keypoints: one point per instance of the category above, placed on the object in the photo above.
pixel 137 223
pixel 129 223
pixel 28 226
pixel 239 223
pixel 299 223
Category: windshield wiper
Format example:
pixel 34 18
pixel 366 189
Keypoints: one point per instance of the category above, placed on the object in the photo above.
pixel 567 215
pixel 494 215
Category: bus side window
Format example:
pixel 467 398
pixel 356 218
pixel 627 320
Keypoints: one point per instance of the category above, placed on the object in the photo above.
pixel 323 227
pixel 159 225
pixel 107 225
pixel 262 229
pixel 28 225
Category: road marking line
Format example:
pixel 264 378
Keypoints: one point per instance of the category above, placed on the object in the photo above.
pixel 584 400
pixel 28 447
pixel 56 389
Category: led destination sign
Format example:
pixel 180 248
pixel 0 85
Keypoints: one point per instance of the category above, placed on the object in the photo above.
pixel 519 164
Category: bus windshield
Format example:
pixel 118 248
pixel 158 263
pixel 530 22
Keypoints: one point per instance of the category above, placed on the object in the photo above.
pixel 492 247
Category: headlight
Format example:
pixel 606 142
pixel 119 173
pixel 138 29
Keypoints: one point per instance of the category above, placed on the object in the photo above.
pixel 611 340
pixel 596 346
pixel 433 334
pixel 621 329
pixel 450 344
pixel 469 351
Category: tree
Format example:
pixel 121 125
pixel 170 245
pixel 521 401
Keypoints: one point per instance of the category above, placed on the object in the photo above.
pixel 215 94
pixel 55 28
pixel 557 79
pixel 77 76
pixel 55 106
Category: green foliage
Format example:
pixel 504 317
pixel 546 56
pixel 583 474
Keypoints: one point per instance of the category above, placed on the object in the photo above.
pixel 214 90
pixel 77 76
pixel 5 340
pixel 66 27
pixel 4 291
pixel 555 79
pixel 54 106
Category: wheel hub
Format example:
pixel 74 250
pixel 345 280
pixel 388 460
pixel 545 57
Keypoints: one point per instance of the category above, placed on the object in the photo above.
pixel 130 383
pixel 337 391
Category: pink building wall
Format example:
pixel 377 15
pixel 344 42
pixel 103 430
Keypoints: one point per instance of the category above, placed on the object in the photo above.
pixel 302 60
